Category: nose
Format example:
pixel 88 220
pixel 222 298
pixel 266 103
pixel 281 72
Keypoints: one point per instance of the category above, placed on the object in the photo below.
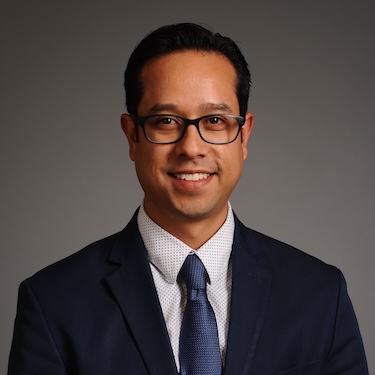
pixel 191 145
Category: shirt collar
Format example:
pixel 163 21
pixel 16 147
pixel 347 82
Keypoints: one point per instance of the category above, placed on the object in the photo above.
pixel 167 253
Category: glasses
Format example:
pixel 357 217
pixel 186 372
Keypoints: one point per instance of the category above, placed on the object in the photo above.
pixel 165 129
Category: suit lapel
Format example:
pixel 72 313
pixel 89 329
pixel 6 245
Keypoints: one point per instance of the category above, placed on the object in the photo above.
pixel 133 287
pixel 251 285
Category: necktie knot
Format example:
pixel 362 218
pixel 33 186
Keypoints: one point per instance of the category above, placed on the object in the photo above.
pixel 193 273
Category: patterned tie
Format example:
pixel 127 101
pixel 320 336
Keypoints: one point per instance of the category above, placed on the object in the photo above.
pixel 199 342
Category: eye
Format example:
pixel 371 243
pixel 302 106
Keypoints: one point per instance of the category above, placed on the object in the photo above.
pixel 214 120
pixel 164 122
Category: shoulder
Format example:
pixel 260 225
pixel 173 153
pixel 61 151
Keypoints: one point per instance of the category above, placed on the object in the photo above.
pixel 93 261
pixel 298 280
pixel 80 267
pixel 283 260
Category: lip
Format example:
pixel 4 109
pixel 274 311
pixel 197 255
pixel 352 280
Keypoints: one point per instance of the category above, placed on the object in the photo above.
pixel 192 180
pixel 192 176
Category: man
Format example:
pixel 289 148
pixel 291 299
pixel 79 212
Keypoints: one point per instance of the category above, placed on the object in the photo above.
pixel 185 287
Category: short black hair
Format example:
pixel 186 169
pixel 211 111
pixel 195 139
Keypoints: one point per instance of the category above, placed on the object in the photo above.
pixel 183 37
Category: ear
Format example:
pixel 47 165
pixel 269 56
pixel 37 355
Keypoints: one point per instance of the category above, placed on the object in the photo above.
pixel 129 129
pixel 245 133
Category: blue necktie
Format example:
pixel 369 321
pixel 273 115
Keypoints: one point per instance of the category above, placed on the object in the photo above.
pixel 199 342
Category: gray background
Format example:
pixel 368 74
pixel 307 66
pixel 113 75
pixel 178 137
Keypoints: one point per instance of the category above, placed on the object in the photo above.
pixel 66 179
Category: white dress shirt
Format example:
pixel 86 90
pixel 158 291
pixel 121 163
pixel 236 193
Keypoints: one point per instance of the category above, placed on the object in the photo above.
pixel 167 254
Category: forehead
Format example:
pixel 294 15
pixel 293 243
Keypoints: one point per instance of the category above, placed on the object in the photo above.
pixel 189 60
pixel 189 77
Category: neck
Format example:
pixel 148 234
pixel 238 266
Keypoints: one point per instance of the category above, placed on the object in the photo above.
pixel 193 232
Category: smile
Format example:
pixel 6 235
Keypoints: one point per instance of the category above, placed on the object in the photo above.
pixel 192 176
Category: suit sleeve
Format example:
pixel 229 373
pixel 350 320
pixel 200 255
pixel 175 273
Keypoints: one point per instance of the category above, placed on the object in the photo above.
pixel 33 350
pixel 347 354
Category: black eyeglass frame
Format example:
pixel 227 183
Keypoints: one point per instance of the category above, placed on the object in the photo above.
pixel 140 121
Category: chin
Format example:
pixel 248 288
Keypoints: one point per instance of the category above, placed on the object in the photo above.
pixel 196 211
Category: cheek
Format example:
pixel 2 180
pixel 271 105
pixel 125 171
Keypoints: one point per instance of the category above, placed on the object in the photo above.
pixel 142 164
pixel 236 155
pixel 150 161
pixel 232 164
pixel 145 174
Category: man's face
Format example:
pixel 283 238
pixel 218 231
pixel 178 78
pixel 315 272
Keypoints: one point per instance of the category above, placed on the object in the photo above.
pixel 189 181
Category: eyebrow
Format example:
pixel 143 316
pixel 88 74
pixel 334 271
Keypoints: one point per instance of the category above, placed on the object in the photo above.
pixel 162 107
pixel 218 106
pixel 159 107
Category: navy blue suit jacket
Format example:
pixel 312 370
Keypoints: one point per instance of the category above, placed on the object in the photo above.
pixel 97 313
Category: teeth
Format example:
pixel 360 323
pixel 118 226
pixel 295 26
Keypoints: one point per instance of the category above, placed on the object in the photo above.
pixel 192 176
